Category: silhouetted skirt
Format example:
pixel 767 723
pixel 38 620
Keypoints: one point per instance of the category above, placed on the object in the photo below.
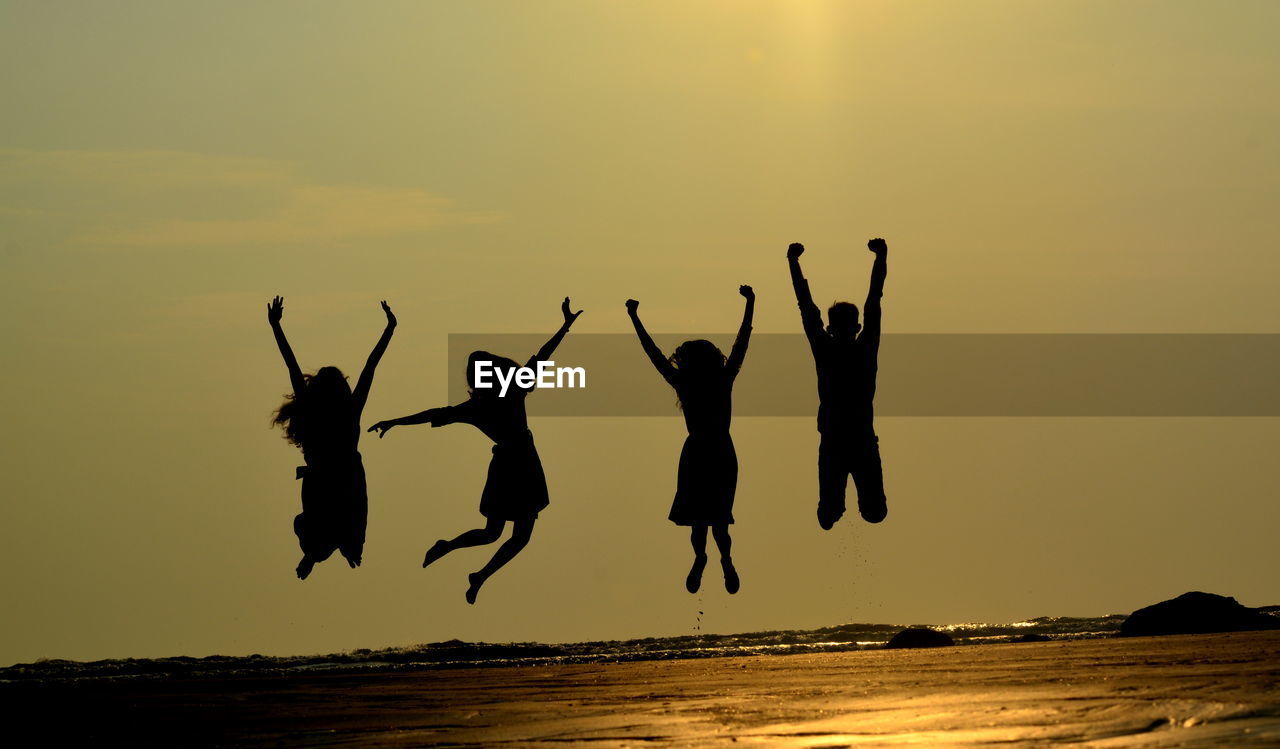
pixel 335 508
pixel 707 481
pixel 516 488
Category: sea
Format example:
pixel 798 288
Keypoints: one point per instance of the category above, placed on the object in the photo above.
pixel 460 654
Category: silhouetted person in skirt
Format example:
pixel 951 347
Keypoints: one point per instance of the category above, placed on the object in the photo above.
pixel 708 477
pixel 322 417
pixel 516 489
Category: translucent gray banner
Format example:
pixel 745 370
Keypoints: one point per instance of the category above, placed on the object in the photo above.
pixel 927 374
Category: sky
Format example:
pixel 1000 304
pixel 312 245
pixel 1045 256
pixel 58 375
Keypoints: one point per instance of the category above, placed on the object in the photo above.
pixel 166 168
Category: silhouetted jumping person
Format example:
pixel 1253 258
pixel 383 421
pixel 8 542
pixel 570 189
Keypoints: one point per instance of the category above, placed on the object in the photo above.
pixel 708 476
pixel 322 417
pixel 846 363
pixel 516 488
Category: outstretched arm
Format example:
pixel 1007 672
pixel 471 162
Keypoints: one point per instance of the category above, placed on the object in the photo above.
pixel 809 314
pixel 739 351
pixel 275 311
pixel 660 362
pixel 436 417
pixel 365 382
pixel 549 348
pixel 871 309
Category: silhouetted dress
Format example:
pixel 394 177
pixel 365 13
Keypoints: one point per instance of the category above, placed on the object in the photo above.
pixel 335 500
pixel 516 487
pixel 708 476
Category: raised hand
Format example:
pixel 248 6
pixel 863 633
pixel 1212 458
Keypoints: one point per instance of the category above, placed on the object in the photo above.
pixel 877 246
pixel 275 310
pixel 747 292
pixel 382 427
pixel 632 306
pixel 794 250
pixel 569 315
pixel 391 317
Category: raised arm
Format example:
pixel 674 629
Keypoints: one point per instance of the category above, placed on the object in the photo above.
pixel 660 362
pixel 549 348
pixel 871 309
pixel 739 351
pixel 810 316
pixel 275 311
pixel 365 382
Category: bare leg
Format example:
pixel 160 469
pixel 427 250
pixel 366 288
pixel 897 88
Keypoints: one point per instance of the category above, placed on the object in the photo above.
pixel 698 539
pixel 520 534
pixel 474 537
pixel 724 543
pixel 308 563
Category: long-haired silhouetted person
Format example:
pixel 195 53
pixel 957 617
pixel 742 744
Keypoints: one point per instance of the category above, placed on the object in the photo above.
pixel 708 477
pixel 846 358
pixel 322 417
pixel 516 489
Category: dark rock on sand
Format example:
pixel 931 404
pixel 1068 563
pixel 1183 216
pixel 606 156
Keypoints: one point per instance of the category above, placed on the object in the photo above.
pixel 1196 613
pixel 1031 637
pixel 920 637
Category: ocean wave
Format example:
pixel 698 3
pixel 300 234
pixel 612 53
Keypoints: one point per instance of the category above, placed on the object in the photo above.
pixel 460 654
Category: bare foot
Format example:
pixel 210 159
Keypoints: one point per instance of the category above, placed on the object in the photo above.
pixel 730 576
pixel 304 568
pixel 476 581
pixel 439 549
pixel 694 580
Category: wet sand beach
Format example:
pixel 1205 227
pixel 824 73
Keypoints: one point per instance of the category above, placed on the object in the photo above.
pixel 1193 690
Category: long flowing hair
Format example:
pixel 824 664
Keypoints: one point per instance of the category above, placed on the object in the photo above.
pixel 317 413
pixel 700 364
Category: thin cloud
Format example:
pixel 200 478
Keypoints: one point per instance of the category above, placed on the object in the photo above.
pixel 180 199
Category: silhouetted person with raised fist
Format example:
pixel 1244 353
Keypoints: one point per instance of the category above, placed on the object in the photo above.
pixel 708 477
pixel 845 354
pixel 516 488
pixel 322 417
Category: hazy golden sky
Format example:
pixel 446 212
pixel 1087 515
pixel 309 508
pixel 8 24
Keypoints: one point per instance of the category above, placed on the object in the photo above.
pixel 166 168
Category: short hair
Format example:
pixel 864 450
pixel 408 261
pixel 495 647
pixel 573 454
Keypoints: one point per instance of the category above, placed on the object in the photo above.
pixel 495 361
pixel 842 313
